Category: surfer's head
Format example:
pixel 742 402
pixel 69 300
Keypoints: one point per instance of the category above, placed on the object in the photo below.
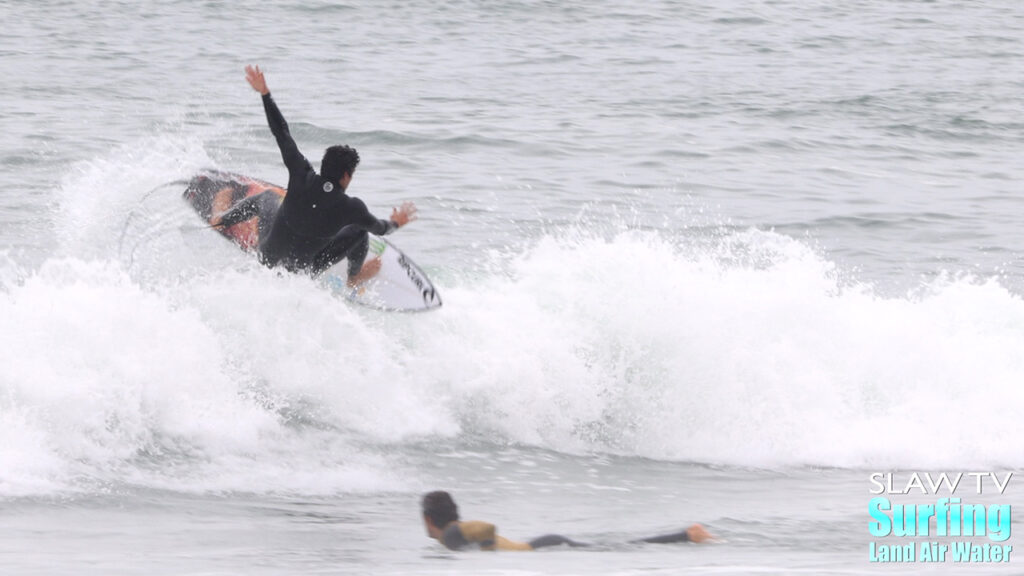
pixel 439 510
pixel 339 164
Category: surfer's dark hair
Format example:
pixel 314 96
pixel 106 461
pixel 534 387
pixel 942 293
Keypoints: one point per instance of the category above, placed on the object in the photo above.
pixel 338 161
pixel 439 508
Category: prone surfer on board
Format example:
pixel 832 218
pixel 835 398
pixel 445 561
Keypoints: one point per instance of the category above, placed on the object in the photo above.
pixel 317 224
pixel 441 517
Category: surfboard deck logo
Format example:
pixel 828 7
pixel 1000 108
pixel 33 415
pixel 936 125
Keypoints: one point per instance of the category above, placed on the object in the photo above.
pixel 399 284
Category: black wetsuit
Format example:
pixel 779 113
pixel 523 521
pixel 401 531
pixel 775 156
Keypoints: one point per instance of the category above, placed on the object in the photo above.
pixel 317 224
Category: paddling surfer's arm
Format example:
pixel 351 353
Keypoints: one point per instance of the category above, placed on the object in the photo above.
pixel 293 159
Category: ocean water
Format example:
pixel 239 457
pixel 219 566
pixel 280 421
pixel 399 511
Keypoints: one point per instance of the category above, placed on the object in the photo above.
pixel 710 262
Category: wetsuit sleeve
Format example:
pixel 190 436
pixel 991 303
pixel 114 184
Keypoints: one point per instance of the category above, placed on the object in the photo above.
pixel 371 223
pixel 293 159
pixel 383 227
pixel 553 540
pixel 681 536
pixel 248 208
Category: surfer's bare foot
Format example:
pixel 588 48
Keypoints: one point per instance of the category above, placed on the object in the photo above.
pixel 698 534
pixel 369 270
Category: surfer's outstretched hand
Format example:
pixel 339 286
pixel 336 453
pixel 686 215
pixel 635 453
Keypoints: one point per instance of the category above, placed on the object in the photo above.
pixel 255 77
pixel 698 534
pixel 404 214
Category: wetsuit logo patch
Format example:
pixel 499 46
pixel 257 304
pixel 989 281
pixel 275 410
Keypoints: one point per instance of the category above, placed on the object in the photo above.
pixel 328 187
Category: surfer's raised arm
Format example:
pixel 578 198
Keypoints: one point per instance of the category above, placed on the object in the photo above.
pixel 293 159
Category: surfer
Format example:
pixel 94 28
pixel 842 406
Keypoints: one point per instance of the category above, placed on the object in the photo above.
pixel 317 223
pixel 441 517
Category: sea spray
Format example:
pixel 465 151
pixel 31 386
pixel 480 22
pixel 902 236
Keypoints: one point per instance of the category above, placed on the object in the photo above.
pixel 104 381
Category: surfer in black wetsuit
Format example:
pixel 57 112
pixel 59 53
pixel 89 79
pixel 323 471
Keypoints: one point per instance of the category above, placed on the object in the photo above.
pixel 317 224
pixel 441 517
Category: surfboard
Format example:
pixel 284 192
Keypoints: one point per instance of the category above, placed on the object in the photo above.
pixel 398 285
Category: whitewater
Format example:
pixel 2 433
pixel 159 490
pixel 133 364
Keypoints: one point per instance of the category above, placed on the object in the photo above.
pixel 700 263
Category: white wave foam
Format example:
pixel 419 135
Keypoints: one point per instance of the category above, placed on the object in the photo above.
pixel 750 352
pixel 107 382
pixel 191 367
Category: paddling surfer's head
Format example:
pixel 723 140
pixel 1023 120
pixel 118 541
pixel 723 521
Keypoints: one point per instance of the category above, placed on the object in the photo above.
pixel 439 510
pixel 339 164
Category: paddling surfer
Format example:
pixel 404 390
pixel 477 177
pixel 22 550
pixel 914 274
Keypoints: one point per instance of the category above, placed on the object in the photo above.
pixel 441 518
